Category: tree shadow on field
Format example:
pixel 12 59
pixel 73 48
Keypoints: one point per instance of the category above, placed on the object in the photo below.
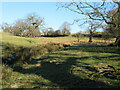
pixel 95 48
pixel 60 73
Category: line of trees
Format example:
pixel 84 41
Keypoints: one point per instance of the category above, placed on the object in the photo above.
pixel 63 31
pixel 33 26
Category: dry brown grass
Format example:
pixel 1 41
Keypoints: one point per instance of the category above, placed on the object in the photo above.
pixel 58 40
pixel 73 40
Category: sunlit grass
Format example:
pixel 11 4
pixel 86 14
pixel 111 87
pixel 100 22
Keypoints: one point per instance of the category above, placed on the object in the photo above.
pixel 20 41
pixel 25 41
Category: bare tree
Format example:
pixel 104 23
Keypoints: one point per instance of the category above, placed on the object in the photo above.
pixel 93 25
pixel 78 36
pixel 97 11
pixel 65 29
pixel 114 30
pixel 25 27
pixel 50 32
pixel 7 28
pixel 34 20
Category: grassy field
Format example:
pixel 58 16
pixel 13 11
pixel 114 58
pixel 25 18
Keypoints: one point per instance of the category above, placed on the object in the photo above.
pixel 26 42
pixel 22 41
pixel 80 65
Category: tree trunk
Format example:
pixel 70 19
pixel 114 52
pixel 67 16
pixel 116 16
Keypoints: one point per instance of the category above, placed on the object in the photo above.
pixel 117 42
pixel 90 37
pixel 78 39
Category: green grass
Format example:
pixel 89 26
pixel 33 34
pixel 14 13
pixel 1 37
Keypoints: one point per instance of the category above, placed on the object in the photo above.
pixel 27 42
pixel 78 66
pixel 20 41
pixel 74 66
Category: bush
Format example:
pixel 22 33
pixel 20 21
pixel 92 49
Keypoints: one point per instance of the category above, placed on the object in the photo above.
pixel 6 72
pixel 38 50
pixel 19 55
pixel 51 47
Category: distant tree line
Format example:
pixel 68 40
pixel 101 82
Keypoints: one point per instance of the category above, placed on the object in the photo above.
pixel 32 26
pixel 63 31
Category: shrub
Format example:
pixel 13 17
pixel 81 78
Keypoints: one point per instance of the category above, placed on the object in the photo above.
pixel 51 47
pixel 38 50
pixel 19 55
pixel 6 72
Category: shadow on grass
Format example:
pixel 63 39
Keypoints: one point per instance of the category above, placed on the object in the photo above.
pixel 61 73
pixel 95 48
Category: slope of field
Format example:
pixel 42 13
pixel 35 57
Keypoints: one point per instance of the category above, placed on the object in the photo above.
pixel 20 41
pixel 24 41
